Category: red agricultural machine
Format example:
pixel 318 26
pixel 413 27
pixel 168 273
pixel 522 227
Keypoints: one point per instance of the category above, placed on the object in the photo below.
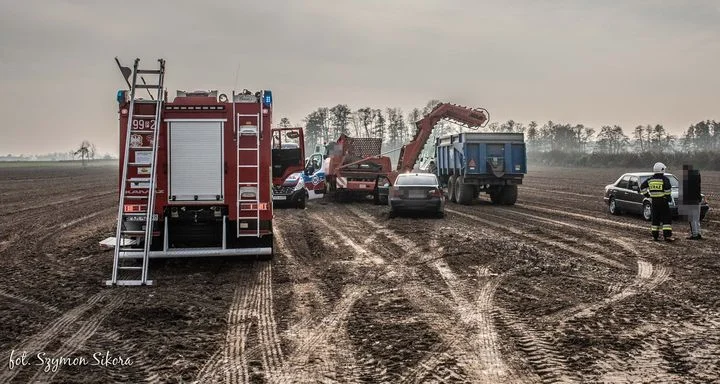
pixel 353 166
pixel 195 175
pixel 356 166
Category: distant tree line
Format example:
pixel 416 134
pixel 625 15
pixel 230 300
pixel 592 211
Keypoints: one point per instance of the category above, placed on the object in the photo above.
pixel 555 144
pixel 392 124
pixel 549 143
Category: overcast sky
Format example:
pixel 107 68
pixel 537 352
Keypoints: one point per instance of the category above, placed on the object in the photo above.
pixel 583 61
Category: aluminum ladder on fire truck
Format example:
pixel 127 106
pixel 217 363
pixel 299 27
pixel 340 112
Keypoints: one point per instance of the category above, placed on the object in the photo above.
pixel 123 274
pixel 248 187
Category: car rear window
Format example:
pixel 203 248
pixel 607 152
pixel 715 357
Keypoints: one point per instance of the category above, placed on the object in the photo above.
pixel 429 180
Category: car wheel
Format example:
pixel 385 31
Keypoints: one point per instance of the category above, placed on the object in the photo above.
pixel 392 214
pixel 647 211
pixel 301 202
pixel 612 206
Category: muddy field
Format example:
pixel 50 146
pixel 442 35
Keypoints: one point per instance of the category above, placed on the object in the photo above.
pixel 553 289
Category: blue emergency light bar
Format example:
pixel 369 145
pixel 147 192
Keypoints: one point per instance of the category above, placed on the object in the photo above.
pixel 267 98
pixel 121 96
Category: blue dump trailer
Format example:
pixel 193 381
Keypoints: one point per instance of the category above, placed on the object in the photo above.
pixel 471 163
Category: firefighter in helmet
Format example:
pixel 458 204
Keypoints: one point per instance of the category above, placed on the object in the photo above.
pixel 658 189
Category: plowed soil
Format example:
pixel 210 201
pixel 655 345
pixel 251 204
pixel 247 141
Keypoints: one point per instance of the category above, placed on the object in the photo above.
pixel 553 289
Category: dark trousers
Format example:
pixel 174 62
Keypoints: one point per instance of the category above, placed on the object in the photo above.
pixel 661 218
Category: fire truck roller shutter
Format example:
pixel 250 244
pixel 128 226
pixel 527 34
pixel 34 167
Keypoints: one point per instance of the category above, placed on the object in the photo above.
pixel 196 160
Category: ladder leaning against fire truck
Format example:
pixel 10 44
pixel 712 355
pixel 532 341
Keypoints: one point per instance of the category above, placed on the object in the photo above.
pixel 124 274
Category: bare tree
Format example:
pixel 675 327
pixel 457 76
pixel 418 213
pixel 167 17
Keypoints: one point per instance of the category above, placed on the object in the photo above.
pixel 84 151
pixel 612 140
pixel 324 116
pixel 379 126
pixel 340 117
pixel 365 118
pixel 284 123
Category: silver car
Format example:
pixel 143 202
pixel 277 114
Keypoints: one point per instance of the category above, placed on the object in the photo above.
pixel 417 192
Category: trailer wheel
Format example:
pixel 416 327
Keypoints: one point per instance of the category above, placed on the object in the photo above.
pixel 451 188
pixel 495 194
pixel 509 194
pixel 465 191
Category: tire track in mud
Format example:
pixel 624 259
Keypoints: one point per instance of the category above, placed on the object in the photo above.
pixel 607 235
pixel 581 216
pixel 321 349
pixel 40 340
pixel 475 340
pixel 231 362
pixel 127 348
pixel 78 339
pixel 84 199
pixel 540 350
pixel 553 192
pixel 30 301
pixel 314 357
pixel 16 267
pixel 434 368
pixel 548 364
pixel 267 327
pixel 669 350
pixel 570 248
pixel 648 277
pixel 391 275
pixel 478 316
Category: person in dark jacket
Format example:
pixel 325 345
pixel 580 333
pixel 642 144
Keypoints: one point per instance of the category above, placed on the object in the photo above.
pixel 659 189
pixel 432 168
pixel 691 199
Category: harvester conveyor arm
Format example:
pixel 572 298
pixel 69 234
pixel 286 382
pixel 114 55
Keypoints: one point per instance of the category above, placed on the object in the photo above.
pixel 468 117
pixel 369 158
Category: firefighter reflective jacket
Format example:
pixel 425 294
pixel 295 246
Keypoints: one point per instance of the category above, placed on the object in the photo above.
pixel 657 187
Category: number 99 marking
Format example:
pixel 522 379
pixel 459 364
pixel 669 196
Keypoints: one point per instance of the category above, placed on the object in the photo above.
pixel 143 124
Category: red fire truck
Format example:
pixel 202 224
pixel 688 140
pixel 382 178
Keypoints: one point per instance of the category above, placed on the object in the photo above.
pixel 197 167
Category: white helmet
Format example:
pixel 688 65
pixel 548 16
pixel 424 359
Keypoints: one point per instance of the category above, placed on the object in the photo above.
pixel 659 168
